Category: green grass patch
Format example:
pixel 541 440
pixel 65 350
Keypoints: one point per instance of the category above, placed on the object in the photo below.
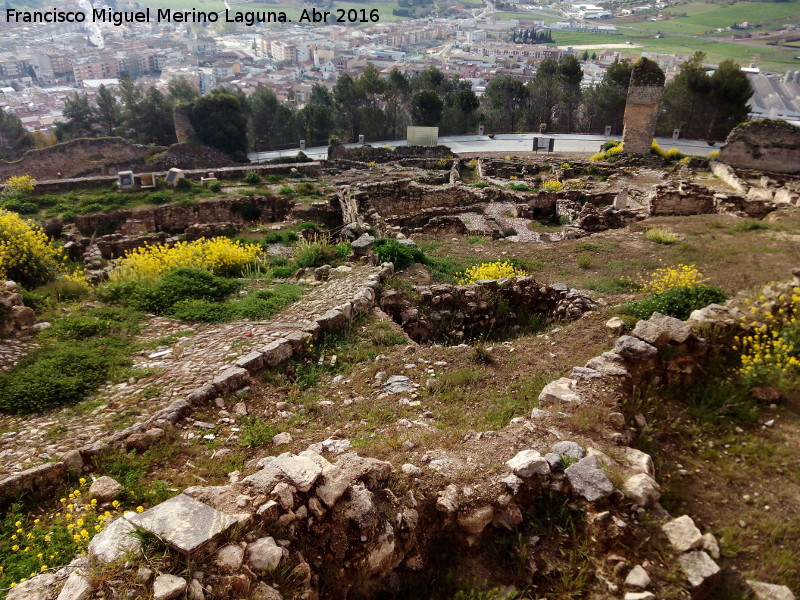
pixel 677 302
pixel 661 236
pixel 79 353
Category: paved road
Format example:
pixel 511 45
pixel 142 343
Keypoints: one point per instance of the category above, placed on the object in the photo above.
pixel 511 143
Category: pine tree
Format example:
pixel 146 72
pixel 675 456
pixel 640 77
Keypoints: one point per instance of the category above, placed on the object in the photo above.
pixel 14 138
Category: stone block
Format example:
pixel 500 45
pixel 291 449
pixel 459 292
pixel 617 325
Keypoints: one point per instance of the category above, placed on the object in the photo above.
pixel 253 362
pixel 588 479
pixel 230 380
pixel 185 524
pixel 683 534
pixel 276 352
pixel 701 571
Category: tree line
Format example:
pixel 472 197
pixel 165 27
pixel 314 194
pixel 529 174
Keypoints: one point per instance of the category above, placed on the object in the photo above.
pixel 703 106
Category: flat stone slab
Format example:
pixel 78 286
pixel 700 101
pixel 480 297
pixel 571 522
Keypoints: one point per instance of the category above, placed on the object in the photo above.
pixel 770 591
pixel 184 523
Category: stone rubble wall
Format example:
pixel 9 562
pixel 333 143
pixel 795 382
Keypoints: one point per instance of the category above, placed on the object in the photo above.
pixel 175 218
pixel 41 479
pixel 469 311
pixel 339 516
pixel 16 319
pixel 311 169
pixel 379 154
pixel 782 191
pixel 80 158
pixel 764 145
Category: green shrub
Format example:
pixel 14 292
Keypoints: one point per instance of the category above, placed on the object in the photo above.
pixel 284 271
pixel 251 178
pixel 402 256
pixel 287 238
pixel 181 284
pixel 308 226
pixel 263 304
pixel 22 208
pixel 520 187
pixel 77 327
pixel 677 302
pixel 157 198
pixel 203 311
pixel 53 376
pixel 184 183
pixel 215 186
pixel 584 260
pixel 315 254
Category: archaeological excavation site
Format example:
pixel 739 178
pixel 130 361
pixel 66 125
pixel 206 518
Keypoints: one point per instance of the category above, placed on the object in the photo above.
pixel 402 373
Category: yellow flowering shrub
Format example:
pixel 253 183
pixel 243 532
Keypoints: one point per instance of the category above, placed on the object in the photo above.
pixel 552 185
pixel 219 255
pixel 770 351
pixel 668 278
pixel 26 254
pixel 30 545
pixel 489 270
pixel 19 186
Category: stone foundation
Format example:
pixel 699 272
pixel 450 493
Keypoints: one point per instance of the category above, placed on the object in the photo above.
pixel 457 312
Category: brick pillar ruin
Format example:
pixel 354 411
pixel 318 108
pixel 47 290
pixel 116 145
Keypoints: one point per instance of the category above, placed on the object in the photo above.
pixel 641 107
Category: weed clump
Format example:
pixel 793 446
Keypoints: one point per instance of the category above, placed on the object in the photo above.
pixel 401 255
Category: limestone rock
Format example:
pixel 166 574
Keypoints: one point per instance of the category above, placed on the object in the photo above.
pixel 229 558
pixel 282 438
pixel 76 587
pixel 300 471
pixel 634 350
pixel 195 591
pixel 569 449
pixel 770 591
pixel 701 571
pixel 73 460
pixel 640 596
pixel 398 384
pixel 588 479
pixel 615 325
pixel 348 469
pixel 678 331
pixel 186 524
pixel 105 489
pixel 262 591
pixel 475 521
pixel 35 588
pixel 711 545
pixel 642 489
pixel 683 534
pixel 559 391
pixel 264 554
pixel 115 541
pixel 528 463
pixel 447 500
pixel 412 470
pixel 166 587
pixel 637 578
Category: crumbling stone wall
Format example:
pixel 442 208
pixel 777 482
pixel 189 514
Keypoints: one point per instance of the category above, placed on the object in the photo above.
pixel 380 154
pixel 175 218
pixel 80 158
pixel 184 130
pixel 681 199
pixel 16 319
pixel 468 311
pixel 765 145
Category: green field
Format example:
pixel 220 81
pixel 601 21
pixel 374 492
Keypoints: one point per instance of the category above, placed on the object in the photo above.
pixel 771 57
pixel 704 18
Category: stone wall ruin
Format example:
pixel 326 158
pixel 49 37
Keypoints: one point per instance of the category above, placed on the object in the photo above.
pixel 764 145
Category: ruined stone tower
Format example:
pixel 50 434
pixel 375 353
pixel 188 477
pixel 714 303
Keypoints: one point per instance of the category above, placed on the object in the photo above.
pixel 184 131
pixel 641 108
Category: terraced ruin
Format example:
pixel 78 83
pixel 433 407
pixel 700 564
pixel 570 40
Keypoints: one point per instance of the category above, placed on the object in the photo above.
pixel 351 414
